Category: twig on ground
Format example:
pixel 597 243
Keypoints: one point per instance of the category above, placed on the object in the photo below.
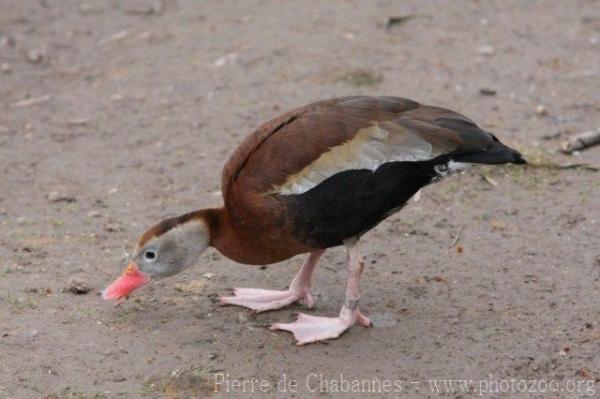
pixel 457 237
pixel 490 181
pixel 398 20
pixel 32 101
pixel 581 141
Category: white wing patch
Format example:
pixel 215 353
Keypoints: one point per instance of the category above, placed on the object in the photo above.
pixel 369 149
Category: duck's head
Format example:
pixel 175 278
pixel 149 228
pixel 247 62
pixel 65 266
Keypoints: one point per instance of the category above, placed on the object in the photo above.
pixel 166 249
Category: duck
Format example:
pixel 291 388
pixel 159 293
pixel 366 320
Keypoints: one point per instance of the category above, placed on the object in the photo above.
pixel 316 177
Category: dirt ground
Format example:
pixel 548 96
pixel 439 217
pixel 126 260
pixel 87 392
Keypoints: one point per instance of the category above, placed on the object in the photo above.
pixel 114 115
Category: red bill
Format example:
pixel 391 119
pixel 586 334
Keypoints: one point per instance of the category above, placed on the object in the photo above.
pixel 131 279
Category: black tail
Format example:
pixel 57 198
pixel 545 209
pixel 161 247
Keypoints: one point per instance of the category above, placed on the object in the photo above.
pixel 497 154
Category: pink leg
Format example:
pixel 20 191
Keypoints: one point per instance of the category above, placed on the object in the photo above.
pixel 307 329
pixel 261 300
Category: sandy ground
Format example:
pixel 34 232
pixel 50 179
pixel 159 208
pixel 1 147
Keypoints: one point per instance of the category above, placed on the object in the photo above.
pixel 114 115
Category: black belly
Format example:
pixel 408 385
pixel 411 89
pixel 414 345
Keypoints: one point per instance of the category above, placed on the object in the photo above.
pixel 352 202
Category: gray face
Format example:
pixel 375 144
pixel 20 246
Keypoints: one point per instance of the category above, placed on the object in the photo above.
pixel 158 261
pixel 172 252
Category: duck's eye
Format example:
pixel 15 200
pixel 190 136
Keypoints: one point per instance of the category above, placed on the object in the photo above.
pixel 150 255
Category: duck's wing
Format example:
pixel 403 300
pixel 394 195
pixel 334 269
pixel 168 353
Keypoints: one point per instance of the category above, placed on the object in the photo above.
pixel 295 152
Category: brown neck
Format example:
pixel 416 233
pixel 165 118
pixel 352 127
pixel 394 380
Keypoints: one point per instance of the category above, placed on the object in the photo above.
pixel 249 244
pixel 227 239
pixel 214 219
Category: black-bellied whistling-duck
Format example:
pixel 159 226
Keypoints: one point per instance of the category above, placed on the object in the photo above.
pixel 316 177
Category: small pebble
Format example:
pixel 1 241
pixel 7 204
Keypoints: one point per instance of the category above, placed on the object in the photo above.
pixel 113 228
pixel 5 67
pixel 486 50
pixel 117 37
pixel 226 59
pixel 77 286
pixel 541 110
pixel 78 121
pixel 487 92
pixel 94 214
pixel 55 196
pixel 6 41
pixel 35 56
